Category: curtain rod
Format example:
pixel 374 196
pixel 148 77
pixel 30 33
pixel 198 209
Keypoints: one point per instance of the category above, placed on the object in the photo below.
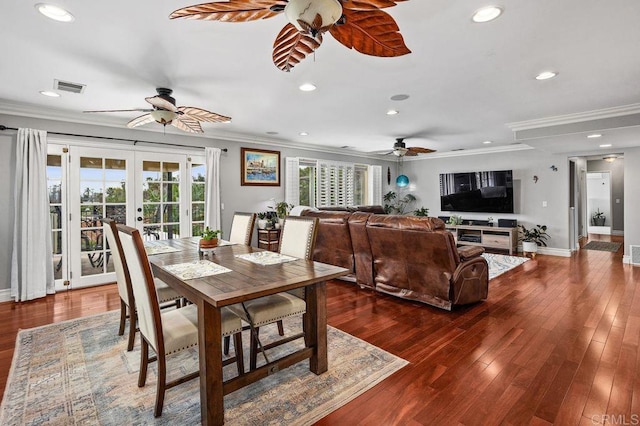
pixel 135 141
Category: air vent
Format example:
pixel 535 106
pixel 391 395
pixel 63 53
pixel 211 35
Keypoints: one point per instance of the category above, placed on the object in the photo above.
pixel 67 86
pixel 635 254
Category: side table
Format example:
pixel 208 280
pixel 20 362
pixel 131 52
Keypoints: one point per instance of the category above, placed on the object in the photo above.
pixel 269 239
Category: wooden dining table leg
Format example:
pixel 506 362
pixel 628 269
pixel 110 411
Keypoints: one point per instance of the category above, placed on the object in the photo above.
pixel 316 327
pixel 210 353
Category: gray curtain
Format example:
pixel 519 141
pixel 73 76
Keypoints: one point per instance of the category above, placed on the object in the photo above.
pixel 31 259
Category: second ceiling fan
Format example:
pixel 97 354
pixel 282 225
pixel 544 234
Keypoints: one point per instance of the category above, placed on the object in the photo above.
pixel 166 112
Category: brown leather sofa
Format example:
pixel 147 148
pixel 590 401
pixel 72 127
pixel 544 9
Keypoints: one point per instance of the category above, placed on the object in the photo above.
pixel 406 256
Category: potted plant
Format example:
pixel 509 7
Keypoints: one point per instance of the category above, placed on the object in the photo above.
pixel 422 211
pixel 282 209
pixel 209 238
pixel 455 220
pixel 598 218
pixel 262 220
pixel 533 238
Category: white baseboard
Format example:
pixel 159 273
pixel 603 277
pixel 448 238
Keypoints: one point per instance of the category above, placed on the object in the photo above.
pixel 602 230
pixel 5 295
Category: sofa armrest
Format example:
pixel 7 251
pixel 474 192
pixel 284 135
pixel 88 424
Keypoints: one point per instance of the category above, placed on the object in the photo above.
pixel 469 252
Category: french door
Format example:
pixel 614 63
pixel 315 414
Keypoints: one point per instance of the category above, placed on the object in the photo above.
pixel 161 194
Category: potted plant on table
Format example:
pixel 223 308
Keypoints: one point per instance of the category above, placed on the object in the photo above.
pixel 533 238
pixel 598 218
pixel 209 238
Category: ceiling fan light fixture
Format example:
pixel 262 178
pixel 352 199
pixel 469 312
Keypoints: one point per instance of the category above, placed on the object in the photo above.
pixel 163 116
pixel 307 11
pixel 400 152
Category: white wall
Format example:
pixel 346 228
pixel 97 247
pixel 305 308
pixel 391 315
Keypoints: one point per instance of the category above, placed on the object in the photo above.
pixel 632 198
pixel 552 187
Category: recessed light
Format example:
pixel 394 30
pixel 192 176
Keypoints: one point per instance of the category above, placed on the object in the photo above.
pixel 399 97
pixel 594 136
pixel 307 87
pixel 303 134
pixel 486 14
pixel 605 145
pixel 546 75
pixel 54 12
pixel 487 142
pixel 393 112
pixel 49 94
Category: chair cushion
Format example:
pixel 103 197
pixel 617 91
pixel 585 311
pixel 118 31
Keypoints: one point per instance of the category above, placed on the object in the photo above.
pixel 164 292
pixel 272 308
pixel 180 327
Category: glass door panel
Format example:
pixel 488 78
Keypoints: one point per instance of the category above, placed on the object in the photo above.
pixel 163 209
pixel 56 178
pixel 102 188
pixel 198 175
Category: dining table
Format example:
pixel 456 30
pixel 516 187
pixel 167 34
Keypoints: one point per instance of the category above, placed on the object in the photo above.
pixel 236 279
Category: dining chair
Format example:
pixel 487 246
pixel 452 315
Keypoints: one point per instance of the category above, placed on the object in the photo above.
pixel 297 239
pixel 242 228
pixel 167 332
pixel 167 297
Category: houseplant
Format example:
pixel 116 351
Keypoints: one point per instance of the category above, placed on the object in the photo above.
pixel 533 238
pixel 598 218
pixel 282 209
pixel 422 211
pixel 209 238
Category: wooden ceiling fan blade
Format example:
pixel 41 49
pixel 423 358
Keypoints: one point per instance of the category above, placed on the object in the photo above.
pixel 409 153
pixel 232 11
pixel 420 150
pixel 187 124
pixel 123 110
pixel 139 121
pixel 161 103
pixel 203 115
pixel 369 4
pixel 372 32
pixel 291 47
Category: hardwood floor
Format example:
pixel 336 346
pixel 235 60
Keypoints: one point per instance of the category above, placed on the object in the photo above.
pixel 556 342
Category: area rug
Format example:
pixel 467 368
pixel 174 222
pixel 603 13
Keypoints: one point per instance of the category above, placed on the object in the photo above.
pixel 500 263
pixel 602 246
pixel 78 372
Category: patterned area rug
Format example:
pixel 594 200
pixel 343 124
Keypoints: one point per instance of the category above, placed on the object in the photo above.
pixel 78 372
pixel 602 246
pixel 500 263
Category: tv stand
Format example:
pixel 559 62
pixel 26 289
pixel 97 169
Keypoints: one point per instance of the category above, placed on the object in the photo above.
pixel 494 237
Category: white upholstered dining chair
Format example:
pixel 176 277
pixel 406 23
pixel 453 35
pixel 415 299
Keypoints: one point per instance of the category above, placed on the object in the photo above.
pixel 167 332
pixel 297 239
pixel 167 296
pixel 242 228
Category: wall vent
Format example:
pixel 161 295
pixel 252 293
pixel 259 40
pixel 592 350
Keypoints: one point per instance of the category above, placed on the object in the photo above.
pixel 67 86
pixel 635 254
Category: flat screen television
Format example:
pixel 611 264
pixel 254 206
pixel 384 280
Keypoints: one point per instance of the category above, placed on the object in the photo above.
pixel 482 192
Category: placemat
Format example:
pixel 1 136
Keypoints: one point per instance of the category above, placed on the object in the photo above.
pixel 266 258
pixel 153 247
pixel 196 269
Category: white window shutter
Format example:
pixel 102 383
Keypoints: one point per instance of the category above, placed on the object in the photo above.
pixel 375 185
pixel 292 181
pixel 334 183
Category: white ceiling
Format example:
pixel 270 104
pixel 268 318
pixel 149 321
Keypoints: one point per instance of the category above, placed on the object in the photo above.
pixel 466 81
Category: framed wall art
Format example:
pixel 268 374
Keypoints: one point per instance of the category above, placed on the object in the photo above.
pixel 259 167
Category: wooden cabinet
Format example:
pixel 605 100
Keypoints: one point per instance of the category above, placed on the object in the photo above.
pixel 269 239
pixel 486 236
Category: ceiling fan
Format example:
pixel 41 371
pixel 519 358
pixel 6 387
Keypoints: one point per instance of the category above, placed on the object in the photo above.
pixel 400 149
pixel 165 112
pixel 357 24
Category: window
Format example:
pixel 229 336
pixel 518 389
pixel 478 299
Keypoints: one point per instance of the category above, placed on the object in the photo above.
pixel 319 183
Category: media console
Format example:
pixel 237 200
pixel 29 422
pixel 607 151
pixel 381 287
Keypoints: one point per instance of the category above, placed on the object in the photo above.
pixel 486 236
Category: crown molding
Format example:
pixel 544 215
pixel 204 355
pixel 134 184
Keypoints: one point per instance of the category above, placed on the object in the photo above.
pixel 575 118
